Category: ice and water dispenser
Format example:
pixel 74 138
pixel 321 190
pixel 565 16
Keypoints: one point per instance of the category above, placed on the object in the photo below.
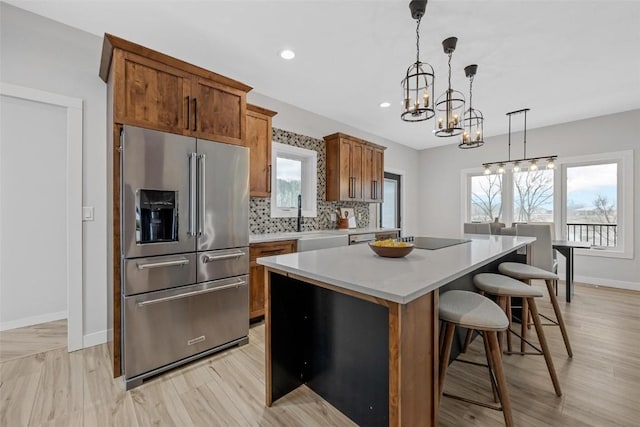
pixel 157 216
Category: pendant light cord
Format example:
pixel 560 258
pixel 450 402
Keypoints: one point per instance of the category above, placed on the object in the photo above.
pixel 450 54
pixel 418 40
pixel 470 94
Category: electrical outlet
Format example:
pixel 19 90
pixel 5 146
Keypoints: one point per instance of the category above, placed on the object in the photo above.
pixel 333 217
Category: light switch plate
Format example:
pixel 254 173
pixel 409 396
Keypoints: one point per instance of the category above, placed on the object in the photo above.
pixel 87 213
pixel 333 216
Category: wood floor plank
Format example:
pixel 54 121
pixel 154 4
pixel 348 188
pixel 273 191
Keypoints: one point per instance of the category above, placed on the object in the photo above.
pixel 601 383
pixel 34 339
pixel 60 390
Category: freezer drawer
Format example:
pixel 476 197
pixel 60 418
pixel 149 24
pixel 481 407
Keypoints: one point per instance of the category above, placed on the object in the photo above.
pixel 160 272
pixel 163 327
pixel 214 265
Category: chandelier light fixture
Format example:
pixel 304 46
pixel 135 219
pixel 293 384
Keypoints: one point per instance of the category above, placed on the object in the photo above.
pixel 532 161
pixel 472 121
pixel 417 85
pixel 450 105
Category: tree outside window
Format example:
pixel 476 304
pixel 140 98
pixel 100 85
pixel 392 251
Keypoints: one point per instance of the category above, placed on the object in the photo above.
pixel 486 197
pixel 533 196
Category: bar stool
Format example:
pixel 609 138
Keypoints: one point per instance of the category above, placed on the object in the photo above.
pixel 503 288
pixel 526 273
pixel 471 310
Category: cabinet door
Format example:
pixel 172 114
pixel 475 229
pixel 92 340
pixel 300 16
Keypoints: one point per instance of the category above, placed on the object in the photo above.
pixel 368 175
pixel 357 170
pixel 378 174
pixel 256 290
pixel 150 94
pixel 256 271
pixel 346 180
pixel 218 112
pixel 373 175
pixel 259 143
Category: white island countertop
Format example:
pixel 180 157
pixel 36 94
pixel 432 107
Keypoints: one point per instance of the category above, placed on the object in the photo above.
pixel 399 280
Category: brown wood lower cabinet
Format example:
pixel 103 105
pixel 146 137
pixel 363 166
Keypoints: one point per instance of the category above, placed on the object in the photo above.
pixel 383 235
pixel 256 271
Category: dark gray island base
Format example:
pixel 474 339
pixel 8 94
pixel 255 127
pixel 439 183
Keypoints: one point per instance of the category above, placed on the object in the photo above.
pixel 374 359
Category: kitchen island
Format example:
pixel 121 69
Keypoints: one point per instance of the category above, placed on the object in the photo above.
pixel 362 331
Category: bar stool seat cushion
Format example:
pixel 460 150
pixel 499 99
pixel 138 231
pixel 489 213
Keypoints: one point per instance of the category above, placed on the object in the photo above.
pixel 525 271
pixel 471 310
pixel 498 284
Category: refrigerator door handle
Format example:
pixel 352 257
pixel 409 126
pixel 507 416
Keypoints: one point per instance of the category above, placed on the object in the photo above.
pixel 179 262
pixel 191 294
pixel 192 195
pixel 211 258
pixel 201 186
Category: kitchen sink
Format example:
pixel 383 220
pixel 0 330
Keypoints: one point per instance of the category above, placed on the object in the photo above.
pixel 313 241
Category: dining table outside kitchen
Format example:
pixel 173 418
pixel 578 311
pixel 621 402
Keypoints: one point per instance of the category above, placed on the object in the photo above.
pixel 566 247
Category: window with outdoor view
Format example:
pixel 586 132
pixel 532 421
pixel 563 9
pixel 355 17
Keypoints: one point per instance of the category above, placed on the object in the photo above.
pixel 533 196
pixel 294 174
pixel 592 204
pixel 486 197
pixel 288 182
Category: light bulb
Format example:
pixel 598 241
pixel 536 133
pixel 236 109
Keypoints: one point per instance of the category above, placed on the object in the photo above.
pixel 516 167
pixel 551 164
pixel 487 170
pixel 533 166
pixel 501 168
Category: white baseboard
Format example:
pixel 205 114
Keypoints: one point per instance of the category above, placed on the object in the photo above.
pixel 33 320
pixel 610 283
pixel 95 338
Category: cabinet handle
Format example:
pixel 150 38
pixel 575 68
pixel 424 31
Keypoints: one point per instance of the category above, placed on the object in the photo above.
pixel 375 190
pixel 195 114
pixel 186 122
pixel 269 179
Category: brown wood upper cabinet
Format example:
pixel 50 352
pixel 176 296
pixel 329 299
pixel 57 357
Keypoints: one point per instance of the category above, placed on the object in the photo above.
pixel 259 143
pixel 355 169
pixel 160 92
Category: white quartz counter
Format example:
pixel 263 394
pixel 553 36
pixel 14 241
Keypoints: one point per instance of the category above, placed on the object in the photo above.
pixel 400 280
pixel 274 237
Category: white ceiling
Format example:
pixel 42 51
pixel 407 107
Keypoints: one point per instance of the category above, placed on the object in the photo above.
pixel 566 60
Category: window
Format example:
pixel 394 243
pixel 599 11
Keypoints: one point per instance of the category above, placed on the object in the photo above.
pixel 390 207
pixel 533 196
pixel 591 204
pixel 295 173
pixel 486 197
pixel 589 198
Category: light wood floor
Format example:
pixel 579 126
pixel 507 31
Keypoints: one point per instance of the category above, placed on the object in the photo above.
pixel 30 340
pixel 601 384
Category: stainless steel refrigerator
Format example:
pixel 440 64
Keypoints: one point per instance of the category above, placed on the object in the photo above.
pixel 185 256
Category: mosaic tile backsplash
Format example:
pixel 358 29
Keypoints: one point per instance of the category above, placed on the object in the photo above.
pixel 260 220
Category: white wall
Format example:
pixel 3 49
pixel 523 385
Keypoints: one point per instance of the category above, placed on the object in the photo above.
pixel 43 54
pixel 440 177
pixel 33 197
pixel 398 158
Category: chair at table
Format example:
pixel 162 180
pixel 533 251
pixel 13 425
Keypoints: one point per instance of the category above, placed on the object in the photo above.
pixel 542 267
pixel 477 228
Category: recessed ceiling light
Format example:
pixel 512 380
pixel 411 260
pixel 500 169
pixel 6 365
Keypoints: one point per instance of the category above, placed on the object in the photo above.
pixel 385 104
pixel 287 54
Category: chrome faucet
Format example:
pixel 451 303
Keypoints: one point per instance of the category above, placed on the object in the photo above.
pixel 299 222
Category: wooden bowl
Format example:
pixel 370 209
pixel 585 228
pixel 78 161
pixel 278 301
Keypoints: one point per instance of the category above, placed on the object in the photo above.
pixel 392 252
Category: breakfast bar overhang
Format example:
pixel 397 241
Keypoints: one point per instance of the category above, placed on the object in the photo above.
pixel 361 330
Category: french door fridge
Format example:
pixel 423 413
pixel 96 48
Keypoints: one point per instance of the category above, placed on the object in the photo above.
pixel 185 258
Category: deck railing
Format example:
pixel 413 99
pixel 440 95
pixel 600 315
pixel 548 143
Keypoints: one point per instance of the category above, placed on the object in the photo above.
pixel 597 234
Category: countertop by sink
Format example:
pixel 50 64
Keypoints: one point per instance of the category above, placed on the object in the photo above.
pixel 274 237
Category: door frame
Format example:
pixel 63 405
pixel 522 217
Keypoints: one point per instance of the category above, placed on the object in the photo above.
pixel 75 260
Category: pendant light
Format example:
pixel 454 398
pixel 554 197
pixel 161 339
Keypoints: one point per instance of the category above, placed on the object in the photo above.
pixel 472 121
pixel 450 105
pixel 417 85
pixel 533 161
